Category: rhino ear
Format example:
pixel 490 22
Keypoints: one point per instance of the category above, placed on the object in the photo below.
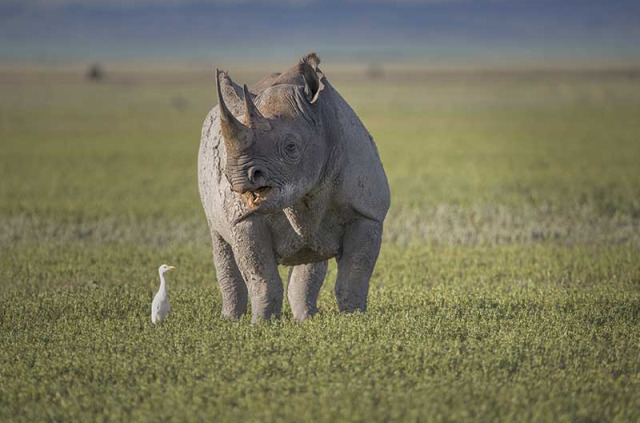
pixel 308 68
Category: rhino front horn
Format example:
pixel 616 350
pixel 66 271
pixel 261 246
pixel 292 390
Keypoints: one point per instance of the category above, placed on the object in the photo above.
pixel 234 133
pixel 252 115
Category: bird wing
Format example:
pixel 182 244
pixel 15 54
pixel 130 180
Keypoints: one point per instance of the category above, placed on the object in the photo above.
pixel 160 307
pixel 156 305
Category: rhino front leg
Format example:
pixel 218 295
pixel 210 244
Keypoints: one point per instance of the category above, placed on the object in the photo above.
pixel 360 248
pixel 232 286
pixel 305 281
pixel 253 250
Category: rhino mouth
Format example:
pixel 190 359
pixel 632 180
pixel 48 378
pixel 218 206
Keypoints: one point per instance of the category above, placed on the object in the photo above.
pixel 256 197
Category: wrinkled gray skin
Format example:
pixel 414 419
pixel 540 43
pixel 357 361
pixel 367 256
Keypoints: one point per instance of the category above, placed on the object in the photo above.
pixel 289 175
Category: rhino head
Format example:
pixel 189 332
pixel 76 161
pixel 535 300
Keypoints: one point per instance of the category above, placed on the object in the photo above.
pixel 276 152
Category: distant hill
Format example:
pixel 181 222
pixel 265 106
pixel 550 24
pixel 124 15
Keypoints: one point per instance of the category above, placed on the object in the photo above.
pixel 454 30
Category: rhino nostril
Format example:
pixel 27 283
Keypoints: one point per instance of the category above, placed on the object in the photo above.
pixel 255 174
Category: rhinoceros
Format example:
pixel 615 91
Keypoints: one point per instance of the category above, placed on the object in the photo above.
pixel 289 175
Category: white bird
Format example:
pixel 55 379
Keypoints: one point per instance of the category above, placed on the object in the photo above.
pixel 160 306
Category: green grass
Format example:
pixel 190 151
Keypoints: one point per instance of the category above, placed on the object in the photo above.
pixel 508 286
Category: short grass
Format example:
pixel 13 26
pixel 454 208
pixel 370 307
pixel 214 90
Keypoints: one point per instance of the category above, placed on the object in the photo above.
pixel 508 286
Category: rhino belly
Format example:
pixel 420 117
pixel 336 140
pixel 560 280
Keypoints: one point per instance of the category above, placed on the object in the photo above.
pixel 293 247
pixel 306 255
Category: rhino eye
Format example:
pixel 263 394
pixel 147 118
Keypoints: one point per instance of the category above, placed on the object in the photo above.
pixel 291 150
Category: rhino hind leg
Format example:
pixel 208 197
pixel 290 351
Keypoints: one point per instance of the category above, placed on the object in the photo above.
pixel 361 245
pixel 232 286
pixel 305 281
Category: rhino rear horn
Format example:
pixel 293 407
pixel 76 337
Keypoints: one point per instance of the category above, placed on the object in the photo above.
pixel 252 116
pixel 234 133
pixel 308 68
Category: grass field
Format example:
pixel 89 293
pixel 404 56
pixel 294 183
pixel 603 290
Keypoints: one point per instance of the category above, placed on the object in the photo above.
pixel 508 286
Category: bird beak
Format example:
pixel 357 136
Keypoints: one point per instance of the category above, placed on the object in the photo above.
pixel 172 267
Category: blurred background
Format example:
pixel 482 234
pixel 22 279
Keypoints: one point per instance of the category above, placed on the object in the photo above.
pixel 498 121
pixel 435 31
